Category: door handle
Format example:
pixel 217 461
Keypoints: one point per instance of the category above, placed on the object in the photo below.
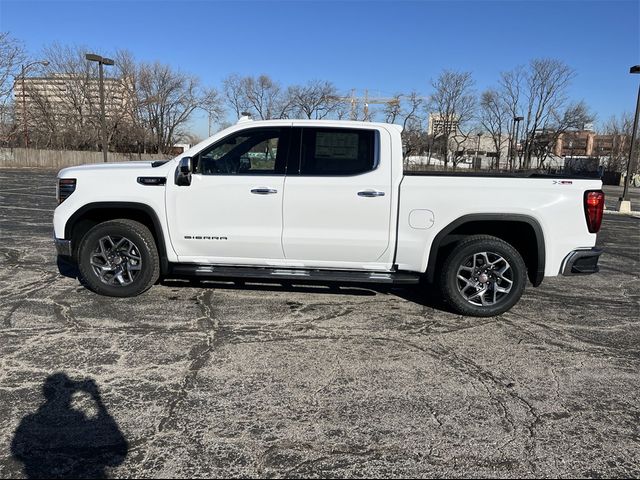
pixel 263 191
pixel 370 193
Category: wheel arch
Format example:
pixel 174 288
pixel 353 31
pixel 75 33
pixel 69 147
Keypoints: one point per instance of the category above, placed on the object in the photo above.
pixel 522 231
pixel 94 213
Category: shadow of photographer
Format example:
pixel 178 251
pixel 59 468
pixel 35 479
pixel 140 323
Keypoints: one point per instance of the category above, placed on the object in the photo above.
pixel 61 440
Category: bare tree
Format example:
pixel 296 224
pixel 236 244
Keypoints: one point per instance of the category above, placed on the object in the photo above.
pixel 148 105
pixel 458 146
pixel 453 101
pixel 619 128
pixel 392 109
pixel 64 109
pixel 511 86
pixel 168 99
pixel 267 97
pixel 235 95
pixel 573 116
pixel 12 54
pixel 261 96
pixel 406 110
pixel 212 104
pixel 135 133
pixel 343 110
pixel 495 118
pixel 403 109
pixel 317 99
pixel 414 137
pixel 65 112
pixel 538 93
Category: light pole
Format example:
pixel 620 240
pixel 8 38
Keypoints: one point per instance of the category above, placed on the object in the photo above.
pixel 571 147
pixel 477 150
pixel 512 143
pixel 24 99
pixel 516 121
pixel 625 202
pixel 92 57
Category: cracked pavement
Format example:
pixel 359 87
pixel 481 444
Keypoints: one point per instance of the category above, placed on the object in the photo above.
pixel 216 379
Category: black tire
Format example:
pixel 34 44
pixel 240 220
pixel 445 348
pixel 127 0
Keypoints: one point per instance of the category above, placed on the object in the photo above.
pixel 143 249
pixel 496 295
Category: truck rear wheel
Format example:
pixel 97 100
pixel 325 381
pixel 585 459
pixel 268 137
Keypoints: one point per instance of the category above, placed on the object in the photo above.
pixel 483 276
pixel 119 258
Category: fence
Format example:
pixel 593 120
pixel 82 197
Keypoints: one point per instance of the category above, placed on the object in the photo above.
pixel 57 159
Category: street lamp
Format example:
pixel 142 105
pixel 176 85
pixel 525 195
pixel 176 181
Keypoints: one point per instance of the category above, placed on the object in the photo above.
pixel 92 57
pixel 516 121
pixel 24 98
pixel 625 202
pixel 512 144
pixel 477 150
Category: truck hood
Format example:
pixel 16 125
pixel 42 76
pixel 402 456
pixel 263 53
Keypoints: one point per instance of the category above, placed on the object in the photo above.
pixel 141 167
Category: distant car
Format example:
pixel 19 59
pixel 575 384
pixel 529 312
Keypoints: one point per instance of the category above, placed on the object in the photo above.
pixel 324 201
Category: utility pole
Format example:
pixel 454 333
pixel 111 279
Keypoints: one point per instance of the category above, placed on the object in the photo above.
pixel 102 61
pixel 366 105
pixel 24 112
pixel 513 131
pixel 571 147
pixel 514 150
pixel 625 202
pixel 353 104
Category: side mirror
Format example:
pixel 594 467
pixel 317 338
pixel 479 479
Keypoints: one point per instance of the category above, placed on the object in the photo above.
pixel 183 172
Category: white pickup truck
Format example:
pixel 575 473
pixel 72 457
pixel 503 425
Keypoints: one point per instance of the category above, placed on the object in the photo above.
pixel 323 201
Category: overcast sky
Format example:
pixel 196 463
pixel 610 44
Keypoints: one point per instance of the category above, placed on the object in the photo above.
pixel 386 47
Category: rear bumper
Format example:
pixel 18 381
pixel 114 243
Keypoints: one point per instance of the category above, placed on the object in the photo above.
pixel 63 247
pixel 581 262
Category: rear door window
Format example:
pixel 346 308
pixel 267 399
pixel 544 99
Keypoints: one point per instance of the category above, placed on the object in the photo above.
pixel 337 151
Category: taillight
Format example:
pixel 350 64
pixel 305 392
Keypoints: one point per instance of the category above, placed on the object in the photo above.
pixel 66 186
pixel 593 208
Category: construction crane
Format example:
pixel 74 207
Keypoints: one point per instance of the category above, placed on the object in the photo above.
pixel 366 101
pixel 394 101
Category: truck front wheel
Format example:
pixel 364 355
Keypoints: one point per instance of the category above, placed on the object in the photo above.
pixel 483 276
pixel 119 258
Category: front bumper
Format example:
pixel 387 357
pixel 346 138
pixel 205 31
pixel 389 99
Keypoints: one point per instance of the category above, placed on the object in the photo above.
pixel 581 262
pixel 63 247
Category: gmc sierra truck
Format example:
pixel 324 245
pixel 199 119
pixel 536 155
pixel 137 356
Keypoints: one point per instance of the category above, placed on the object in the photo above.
pixel 323 201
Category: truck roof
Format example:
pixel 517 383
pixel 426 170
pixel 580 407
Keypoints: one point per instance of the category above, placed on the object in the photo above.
pixel 246 122
pixel 317 123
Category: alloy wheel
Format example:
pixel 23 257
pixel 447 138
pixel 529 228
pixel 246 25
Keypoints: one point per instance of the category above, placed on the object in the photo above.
pixel 484 278
pixel 116 260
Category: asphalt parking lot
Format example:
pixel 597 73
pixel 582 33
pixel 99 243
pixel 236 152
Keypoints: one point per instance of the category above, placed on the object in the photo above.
pixel 218 379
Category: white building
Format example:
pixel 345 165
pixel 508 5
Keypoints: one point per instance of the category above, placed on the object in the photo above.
pixel 63 96
pixel 439 125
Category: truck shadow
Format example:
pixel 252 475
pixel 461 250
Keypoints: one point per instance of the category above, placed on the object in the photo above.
pixel 425 295
pixel 67 268
pixel 71 435
pixel 422 294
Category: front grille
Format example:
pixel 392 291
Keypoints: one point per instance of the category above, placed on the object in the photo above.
pixel 66 186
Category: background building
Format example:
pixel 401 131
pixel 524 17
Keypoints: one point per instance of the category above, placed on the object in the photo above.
pixel 439 125
pixel 65 95
pixel 586 143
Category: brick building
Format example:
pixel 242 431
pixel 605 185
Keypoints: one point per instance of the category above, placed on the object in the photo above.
pixel 586 143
